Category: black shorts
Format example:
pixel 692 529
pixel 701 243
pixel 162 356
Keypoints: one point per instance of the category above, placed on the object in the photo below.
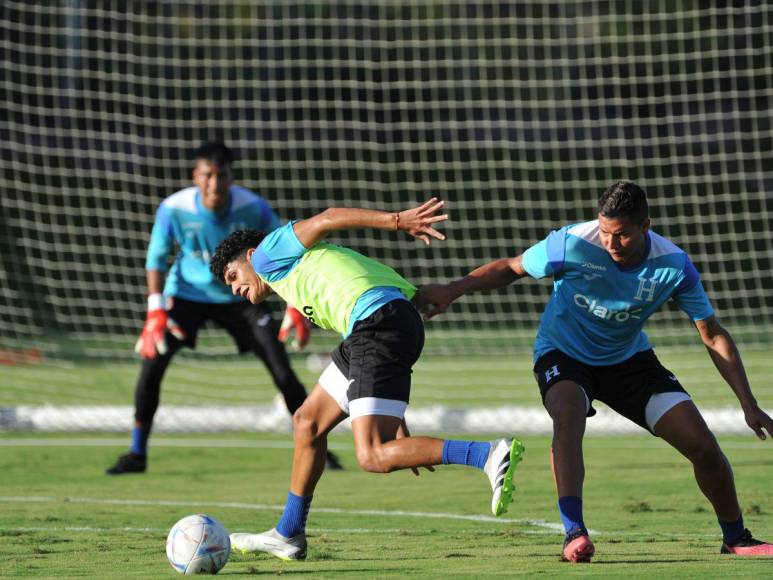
pixel 377 357
pixel 242 320
pixel 625 387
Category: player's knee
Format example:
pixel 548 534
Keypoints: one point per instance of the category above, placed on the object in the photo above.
pixel 569 413
pixel 372 459
pixel 305 427
pixel 567 404
pixel 705 452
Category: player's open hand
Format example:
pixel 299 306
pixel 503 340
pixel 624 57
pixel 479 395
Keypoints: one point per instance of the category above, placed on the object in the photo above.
pixel 759 422
pixel 433 299
pixel 152 339
pixel 419 221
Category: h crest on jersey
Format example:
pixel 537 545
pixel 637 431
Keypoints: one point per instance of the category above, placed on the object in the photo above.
pixel 646 291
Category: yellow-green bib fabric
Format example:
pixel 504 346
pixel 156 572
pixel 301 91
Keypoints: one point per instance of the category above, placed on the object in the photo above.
pixel 328 280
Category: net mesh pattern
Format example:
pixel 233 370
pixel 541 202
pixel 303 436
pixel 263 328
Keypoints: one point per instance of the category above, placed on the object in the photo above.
pixel 518 114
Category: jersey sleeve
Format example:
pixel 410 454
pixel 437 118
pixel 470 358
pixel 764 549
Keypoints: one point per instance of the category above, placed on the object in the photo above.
pixel 278 253
pixel 161 241
pixel 690 295
pixel 546 257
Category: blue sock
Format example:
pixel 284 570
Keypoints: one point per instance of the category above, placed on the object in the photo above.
pixel 570 508
pixel 293 521
pixel 140 440
pixel 731 531
pixel 472 453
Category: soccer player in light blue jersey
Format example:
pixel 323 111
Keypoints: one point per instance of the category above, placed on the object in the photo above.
pixel 609 276
pixel 181 299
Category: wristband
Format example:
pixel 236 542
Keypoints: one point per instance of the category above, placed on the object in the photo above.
pixel 156 301
pixel 397 220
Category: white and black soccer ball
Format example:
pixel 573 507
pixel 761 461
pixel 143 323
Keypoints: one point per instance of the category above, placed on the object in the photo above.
pixel 198 544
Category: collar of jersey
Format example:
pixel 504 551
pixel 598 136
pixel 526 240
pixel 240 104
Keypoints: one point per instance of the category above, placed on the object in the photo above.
pixel 214 216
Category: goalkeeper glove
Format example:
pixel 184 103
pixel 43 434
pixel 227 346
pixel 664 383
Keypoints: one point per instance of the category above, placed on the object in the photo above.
pixel 153 336
pixel 294 320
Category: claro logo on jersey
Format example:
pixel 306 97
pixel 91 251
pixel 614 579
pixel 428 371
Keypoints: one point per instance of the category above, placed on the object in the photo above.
pixel 597 309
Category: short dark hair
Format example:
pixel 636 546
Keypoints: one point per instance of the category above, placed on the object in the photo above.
pixel 232 248
pixel 216 152
pixel 624 199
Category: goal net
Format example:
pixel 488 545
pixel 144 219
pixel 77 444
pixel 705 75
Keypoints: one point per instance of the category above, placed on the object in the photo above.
pixel 518 114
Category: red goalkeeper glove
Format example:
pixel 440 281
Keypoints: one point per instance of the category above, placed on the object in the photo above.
pixel 294 320
pixel 152 339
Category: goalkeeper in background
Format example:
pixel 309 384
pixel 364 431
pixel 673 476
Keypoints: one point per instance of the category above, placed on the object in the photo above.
pixel 609 276
pixel 197 219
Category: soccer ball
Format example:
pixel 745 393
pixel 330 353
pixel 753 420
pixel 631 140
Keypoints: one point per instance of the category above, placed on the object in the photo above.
pixel 198 545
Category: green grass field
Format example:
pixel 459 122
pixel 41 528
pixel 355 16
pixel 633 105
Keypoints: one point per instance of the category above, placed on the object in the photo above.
pixel 481 381
pixel 61 517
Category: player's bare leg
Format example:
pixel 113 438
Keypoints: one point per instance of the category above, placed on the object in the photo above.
pixel 378 450
pixel 565 402
pixel 683 428
pixel 311 422
pixel 567 405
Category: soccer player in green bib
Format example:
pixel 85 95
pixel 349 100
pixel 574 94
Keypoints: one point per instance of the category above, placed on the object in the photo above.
pixel 369 378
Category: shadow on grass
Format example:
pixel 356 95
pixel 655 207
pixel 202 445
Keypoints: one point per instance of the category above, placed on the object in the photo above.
pixel 253 571
pixel 678 464
pixel 679 560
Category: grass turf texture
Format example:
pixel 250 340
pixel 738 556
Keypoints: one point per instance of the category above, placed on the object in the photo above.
pixel 469 381
pixel 61 517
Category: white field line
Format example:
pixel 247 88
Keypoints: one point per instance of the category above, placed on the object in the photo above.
pixel 158 442
pixel 163 530
pixel 544 527
pixel 666 536
pixel 558 528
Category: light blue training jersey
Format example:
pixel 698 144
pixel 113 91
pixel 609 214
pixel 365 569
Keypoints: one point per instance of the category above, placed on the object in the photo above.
pixel 597 309
pixel 181 219
pixel 280 252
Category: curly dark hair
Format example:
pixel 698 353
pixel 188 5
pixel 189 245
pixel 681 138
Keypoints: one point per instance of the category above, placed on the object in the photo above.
pixel 232 248
pixel 624 199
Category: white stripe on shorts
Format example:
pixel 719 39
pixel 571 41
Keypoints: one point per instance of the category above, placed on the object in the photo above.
pixel 376 406
pixel 660 404
pixel 336 385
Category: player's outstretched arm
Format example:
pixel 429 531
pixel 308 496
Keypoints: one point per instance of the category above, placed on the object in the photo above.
pixel 496 274
pixel 725 356
pixel 418 222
